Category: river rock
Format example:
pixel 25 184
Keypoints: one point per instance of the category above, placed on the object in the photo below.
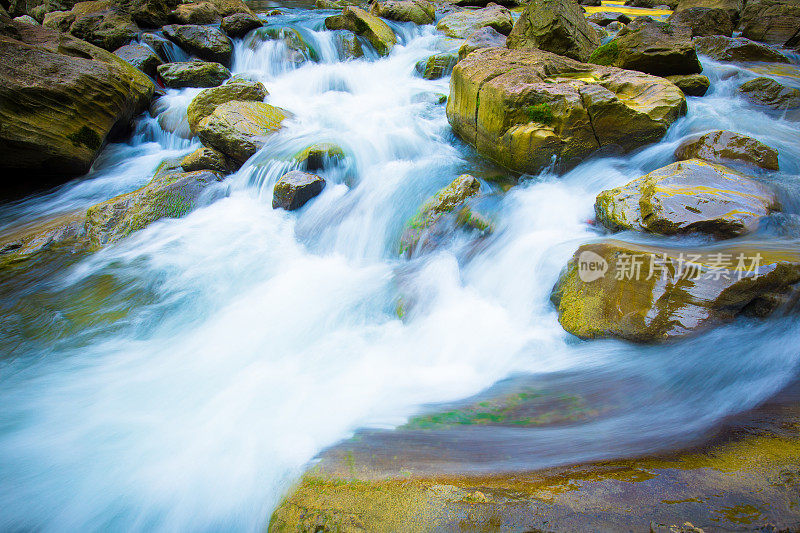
pixel 486 37
pixel 703 21
pixel 203 41
pixel 416 11
pixel 295 189
pixel 319 155
pixel 722 146
pixel 691 84
pixel 207 101
pixel 523 108
pixel 687 197
pixel 650 46
pixel 376 31
pixel 772 21
pixel 732 7
pixel 61 97
pixel 348 46
pixel 192 74
pixel 240 24
pixel 195 13
pixel 230 7
pixel 441 214
pixel 557 26
pixel 240 129
pixel 462 24
pixel 206 159
pixel 768 92
pixel 604 18
pixel 675 293
pixel 103 23
pixel 437 66
pixel 737 49
pixel 141 57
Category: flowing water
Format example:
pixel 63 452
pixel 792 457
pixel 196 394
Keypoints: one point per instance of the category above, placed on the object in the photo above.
pixel 183 378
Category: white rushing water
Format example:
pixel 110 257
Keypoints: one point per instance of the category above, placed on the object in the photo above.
pixel 182 378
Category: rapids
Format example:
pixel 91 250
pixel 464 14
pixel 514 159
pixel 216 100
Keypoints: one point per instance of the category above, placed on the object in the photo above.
pixel 184 377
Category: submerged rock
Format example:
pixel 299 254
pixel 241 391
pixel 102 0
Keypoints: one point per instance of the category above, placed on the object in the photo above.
pixel 526 108
pixel 141 57
pixel 295 189
pixel 203 41
pixel 691 84
pixel 193 74
pixel 376 31
pixel 557 26
pixel 703 21
pixel 462 24
pixel 437 66
pixel 652 294
pixel 416 11
pixel 768 92
pixel 206 159
pixel 207 101
pixel 737 49
pixel 486 37
pixel 650 46
pixel 240 24
pixel 319 155
pixel 685 197
pixel 240 129
pixel 61 98
pixel 722 146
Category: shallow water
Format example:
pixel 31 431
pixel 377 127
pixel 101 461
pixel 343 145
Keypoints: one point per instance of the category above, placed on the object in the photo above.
pixel 182 378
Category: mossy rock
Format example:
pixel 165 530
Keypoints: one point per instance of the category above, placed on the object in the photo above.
pixel 376 31
pixel 691 84
pixel 319 155
pixel 722 146
pixel 236 90
pixel 769 93
pixel 462 24
pixel 416 11
pixel 557 26
pixel 437 66
pixel 193 74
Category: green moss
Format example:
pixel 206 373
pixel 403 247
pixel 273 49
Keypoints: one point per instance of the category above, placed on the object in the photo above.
pixel 606 54
pixel 541 113
pixel 86 137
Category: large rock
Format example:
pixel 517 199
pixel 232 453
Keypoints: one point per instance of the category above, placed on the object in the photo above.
pixel 207 101
pixel 206 159
pixel 240 24
pixel 441 214
pixel 523 108
pixel 61 98
pixel 103 23
pixel 733 7
pixel 724 146
pixel 650 46
pixel 437 66
pixel 141 57
pixel 193 74
pixel 195 13
pixel 768 92
pixel 557 26
pixel 462 24
pixel 294 189
pixel 687 197
pixel 376 31
pixel 416 11
pixel 691 84
pixel 230 7
pixel 772 21
pixel 240 129
pixel 702 21
pixel 203 41
pixel 486 37
pixel 737 49
pixel 654 294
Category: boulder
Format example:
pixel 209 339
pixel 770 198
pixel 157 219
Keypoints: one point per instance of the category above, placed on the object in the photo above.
pixel 150 13
pixel 737 49
pixel 655 294
pixel 525 108
pixel 141 57
pixel 416 11
pixel 650 46
pixel 230 7
pixel 687 197
pixel 772 21
pixel 62 97
pixel 441 214
pixel 240 24
pixel 462 24
pixel 207 101
pixel 557 26
pixel 192 74
pixel 59 20
pixel 703 21
pixel 486 37
pixel 203 41
pixel 437 66
pixel 206 159
pixel 376 31
pixel 319 155
pixel 768 92
pixel 26 19
pixel 348 46
pixel 295 189
pixel 240 129
pixel 691 84
pixel 724 146
pixel 103 23
pixel 604 18
pixel 195 13
pixel 733 7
